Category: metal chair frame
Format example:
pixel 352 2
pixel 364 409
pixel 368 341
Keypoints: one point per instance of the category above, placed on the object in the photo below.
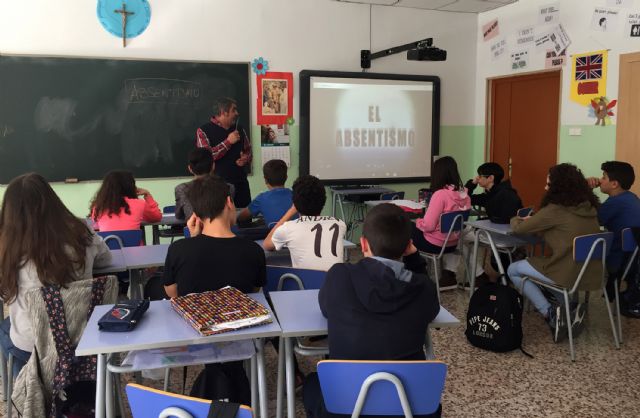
pixel 598 240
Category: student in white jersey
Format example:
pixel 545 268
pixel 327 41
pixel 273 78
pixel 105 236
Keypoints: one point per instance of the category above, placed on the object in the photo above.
pixel 314 241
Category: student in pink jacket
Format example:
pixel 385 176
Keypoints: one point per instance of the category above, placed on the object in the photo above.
pixel 448 195
pixel 116 206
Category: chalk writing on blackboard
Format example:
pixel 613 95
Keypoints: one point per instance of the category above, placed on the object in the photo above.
pixel 161 90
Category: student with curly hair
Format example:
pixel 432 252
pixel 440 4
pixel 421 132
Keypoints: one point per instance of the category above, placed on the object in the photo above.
pixel 41 243
pixel 116 206
pixel 314 241
pixel 568 209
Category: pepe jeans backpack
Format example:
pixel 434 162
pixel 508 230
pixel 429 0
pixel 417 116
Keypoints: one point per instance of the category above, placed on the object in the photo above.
pixel 494 318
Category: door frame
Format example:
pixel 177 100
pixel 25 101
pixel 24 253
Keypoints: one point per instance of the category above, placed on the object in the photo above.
pixel 489 108
pixel 623 113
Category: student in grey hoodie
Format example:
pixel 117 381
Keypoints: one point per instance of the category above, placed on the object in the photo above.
pixel 380 307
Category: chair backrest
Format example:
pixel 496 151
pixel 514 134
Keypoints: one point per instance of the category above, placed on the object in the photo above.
pixel 392 196
pixel 186 232
pixel 628 241
pixel 524 212
pixel 421 381
pixel 290 278
pixel 149 402
pixel 453 221
pixel 119 239
pixel 169 209
pixel 590 247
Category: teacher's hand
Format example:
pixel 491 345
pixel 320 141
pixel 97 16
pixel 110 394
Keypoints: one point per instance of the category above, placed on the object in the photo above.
pixel 233 137
pixel 243 160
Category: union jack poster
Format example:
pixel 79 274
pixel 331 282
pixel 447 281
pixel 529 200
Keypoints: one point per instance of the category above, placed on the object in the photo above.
pixel 588 76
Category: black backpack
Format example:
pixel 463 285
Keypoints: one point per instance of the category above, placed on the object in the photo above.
pixel 494 318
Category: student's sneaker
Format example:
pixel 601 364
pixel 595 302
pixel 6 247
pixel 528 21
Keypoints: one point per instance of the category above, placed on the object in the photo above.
pixel 556 322
pixel 578 312
pixel 448 281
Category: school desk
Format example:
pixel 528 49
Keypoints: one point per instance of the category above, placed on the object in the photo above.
pixel 162 327
pixel 299 315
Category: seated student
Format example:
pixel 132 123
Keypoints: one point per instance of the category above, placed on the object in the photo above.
pixel 448 195
pixel 568 209
pixel 314 241
pixel 214 258
pixel 41 243
pixel 200 165
pixel 116 206
pixel 621 210
pixel 380 307
pixel 500 200
pixel 276 201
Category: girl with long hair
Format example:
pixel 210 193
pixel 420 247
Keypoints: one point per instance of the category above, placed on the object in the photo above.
pixel 116 206
pixel 41 243
pixel 568 209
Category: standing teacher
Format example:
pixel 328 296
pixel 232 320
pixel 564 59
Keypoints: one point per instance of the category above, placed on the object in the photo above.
pixel 230 147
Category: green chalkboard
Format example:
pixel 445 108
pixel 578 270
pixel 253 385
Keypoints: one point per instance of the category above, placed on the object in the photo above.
pixel 79 118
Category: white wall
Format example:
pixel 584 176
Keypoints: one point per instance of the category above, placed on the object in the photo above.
pixel 575 16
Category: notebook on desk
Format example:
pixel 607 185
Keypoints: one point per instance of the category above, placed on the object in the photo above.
pixel 221 310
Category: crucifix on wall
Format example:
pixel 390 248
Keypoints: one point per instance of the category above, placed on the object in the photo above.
pixel 124 14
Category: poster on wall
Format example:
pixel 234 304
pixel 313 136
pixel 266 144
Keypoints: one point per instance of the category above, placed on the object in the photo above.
pixel 620 3
pixel 274 141
pixel 498 49
pixel 604 20
pixel 557 39
pixel 549 14
pixel 525 36
pixel 519 60
pixel 553 60
pixel 632 27
pixel 588 76
pixel 490 30
pixel 275 98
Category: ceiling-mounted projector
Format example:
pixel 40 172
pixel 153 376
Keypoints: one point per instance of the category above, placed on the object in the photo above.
pixel 427 54
pixel 416 51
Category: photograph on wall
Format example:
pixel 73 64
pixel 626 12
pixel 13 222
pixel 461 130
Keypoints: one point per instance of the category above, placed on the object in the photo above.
pixel 275 98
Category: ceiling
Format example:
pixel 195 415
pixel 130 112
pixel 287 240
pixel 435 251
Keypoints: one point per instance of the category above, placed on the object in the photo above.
pixel 460 6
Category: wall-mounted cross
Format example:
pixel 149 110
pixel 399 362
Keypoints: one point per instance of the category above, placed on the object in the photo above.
pixel 124 14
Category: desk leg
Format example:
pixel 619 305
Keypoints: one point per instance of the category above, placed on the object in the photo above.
pixel 100 385
pixel 341 208
pixel 333 204
pixel 474 257
pixel 280 384
pixel 428 346
pixel 108 390
pixel 262 380
pixel 496 255
pixel 136 287
pixel 291 386
pixel 254 382
pixel 155 230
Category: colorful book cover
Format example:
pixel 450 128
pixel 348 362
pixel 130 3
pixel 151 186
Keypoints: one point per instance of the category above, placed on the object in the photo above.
pixel 221 310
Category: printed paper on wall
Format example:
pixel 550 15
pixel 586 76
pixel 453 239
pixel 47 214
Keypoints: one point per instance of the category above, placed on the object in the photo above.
pixel 498 48
pixel 549 14
pixel 604 20
pixel 490 30
pixel 588 76
pixel 525 36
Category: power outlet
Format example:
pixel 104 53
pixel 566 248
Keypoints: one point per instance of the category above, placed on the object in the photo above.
pixel 575 131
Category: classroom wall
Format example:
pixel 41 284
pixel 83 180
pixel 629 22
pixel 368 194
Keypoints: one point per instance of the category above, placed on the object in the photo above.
pixel 596 144
pixel 291 34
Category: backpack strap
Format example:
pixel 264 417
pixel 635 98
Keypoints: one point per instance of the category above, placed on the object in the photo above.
pixel 219 409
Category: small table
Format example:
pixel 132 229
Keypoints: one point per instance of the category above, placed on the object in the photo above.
pixel 118 264
pixel 496 235
pixel 162 327
pixel 299 315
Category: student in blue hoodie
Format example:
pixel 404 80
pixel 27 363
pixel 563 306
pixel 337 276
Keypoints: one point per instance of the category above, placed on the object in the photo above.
pixel 621 210
pixel 387 293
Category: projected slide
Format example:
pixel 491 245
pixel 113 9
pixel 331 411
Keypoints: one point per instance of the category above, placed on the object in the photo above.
pixel 363 128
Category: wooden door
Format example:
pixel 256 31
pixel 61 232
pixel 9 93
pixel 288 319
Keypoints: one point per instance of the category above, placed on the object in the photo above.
pixel 628 128
pixel 524 128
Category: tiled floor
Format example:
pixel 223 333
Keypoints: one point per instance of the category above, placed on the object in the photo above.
pixel 603 382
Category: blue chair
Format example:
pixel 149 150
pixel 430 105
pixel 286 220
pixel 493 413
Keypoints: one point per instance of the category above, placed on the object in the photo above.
pixel 116 240
pixel 450 222
pixel 392 196
pixel 290 278
pixel 382 387
pixel 146 402
pixel 585 249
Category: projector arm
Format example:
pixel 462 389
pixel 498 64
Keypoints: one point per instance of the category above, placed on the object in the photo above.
pixel 366 56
